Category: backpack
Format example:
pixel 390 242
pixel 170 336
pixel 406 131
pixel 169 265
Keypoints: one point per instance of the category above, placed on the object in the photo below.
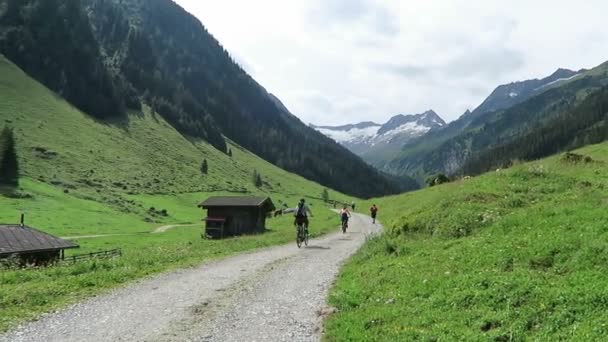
pixel 301 212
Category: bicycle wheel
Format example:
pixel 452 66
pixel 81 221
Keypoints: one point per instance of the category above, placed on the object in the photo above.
pixel 306 238
pixel 299 237
pixel 344 225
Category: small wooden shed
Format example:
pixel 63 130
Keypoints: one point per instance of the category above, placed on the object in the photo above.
pixel 236 215
pixel 30 245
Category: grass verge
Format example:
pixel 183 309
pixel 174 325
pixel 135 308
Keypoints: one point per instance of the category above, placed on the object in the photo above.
pixel 521 254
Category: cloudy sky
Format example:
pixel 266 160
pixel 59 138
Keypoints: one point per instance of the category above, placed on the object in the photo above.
pixel 345 61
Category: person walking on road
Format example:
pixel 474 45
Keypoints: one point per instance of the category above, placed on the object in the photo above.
pixel 374 211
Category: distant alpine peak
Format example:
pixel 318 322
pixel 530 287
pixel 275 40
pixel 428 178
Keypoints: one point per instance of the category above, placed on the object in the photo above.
pixel 399 129
pixel 427 120
pixel 563 73
pixel 508 95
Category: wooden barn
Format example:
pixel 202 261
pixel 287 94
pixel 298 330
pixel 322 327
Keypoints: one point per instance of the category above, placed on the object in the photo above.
pixel 233 216
pixel 31 246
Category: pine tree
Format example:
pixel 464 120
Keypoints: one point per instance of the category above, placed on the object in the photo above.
pixel 257 179
pixel 325 195
pixel 9 165
pixel 204 167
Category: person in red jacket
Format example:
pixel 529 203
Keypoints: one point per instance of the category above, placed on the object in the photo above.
pixel 374 212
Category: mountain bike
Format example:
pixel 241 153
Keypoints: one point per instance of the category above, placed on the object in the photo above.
pixel 344 226
pixel 302 236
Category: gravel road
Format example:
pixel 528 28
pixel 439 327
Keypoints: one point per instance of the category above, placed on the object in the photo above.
pixel 275 294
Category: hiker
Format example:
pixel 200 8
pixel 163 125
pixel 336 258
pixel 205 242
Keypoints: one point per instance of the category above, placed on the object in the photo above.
pixel 374 211
pixel 353 205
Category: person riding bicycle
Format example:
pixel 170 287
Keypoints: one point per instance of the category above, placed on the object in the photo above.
pixel 301 214
pixel 344 215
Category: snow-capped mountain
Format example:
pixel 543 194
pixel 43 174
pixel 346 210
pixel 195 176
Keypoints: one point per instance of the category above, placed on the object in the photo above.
pixel 369 136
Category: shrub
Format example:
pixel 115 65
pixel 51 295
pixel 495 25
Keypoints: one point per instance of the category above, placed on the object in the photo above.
pixel 575 158
pixel 437 180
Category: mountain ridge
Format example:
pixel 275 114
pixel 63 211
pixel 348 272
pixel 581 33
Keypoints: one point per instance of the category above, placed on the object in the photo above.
pixel 538 103
pixel 368 137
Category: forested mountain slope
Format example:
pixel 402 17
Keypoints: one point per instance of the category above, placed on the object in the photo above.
pixel 110 161
pixel 477 135
pixel 108 56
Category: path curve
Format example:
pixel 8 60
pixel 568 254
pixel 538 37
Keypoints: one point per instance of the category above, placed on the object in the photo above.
pixel 274 294
pixel 163 229
pixel 80 237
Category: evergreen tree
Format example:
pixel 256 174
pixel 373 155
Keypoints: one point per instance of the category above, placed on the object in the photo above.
pixel 257 179
pixel 204 167
pixel 325 195
pixel 9 166
pixel 437 180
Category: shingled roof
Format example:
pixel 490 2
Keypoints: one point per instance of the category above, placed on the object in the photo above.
pixel 17 239
pixel 236 201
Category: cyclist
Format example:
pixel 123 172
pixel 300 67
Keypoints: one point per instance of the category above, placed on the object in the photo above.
pixel 301 214
pixel 344 215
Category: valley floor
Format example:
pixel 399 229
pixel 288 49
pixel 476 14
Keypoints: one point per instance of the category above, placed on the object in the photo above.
pixel 275 294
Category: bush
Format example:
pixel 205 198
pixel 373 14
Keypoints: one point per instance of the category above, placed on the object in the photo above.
pixel 437 180
pixel 575 158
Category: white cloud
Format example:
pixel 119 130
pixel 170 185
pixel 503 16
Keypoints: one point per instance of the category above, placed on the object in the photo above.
pixel 343 61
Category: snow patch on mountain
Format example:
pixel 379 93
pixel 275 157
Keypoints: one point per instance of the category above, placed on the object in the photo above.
pixel 362 137
pixel 353 135
pixel 557 81
pixel 412 129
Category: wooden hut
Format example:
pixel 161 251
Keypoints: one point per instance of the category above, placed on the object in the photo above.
pixel 232 216
pixel 31 246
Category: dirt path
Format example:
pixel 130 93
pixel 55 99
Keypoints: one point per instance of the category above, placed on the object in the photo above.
pixel 94 236
pixel 158 230
pixel 275 294
pixel 172 226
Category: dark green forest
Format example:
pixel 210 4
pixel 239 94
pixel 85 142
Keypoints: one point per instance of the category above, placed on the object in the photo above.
pixel 9 164
pixel 52 41
pixel 107 57
pixel 575 127
pixel 555 120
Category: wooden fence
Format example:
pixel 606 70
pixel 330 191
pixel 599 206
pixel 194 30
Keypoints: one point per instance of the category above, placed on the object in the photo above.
pixel 96 255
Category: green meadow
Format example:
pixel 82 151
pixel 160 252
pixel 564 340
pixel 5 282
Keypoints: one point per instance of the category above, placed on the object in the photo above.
pixel 519 254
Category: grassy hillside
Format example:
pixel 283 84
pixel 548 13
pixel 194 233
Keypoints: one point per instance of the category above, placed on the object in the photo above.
pixel 519 254
pixel 83 177
pixel 109 161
